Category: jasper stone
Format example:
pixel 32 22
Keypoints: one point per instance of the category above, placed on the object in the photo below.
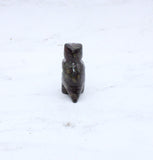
pixel 73 75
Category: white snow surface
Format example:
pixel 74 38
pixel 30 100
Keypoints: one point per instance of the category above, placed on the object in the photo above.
pixel 113 119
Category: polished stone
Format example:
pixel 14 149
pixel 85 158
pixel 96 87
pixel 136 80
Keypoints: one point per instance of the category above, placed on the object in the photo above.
pixel 73 75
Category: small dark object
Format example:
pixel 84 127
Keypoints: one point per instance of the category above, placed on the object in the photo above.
pixel 73 75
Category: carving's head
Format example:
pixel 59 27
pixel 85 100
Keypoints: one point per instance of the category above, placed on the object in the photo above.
pixel 73 51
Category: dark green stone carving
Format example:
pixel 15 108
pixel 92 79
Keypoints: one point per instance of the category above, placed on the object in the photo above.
pixel 73 75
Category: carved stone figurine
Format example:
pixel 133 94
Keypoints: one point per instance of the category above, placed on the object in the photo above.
pixel 73 75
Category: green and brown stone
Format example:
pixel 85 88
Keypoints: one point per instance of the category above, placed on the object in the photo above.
pixel 73 75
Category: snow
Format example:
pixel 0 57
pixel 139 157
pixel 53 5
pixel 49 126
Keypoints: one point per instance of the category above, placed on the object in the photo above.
pixel 113 119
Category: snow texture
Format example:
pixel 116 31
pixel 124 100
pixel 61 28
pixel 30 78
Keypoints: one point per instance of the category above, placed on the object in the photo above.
pixel 113 119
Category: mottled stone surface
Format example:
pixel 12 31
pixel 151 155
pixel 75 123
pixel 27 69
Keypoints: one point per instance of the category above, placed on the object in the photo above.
pixel 73 75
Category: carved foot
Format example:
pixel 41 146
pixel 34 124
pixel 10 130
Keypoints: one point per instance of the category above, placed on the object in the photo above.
pixel 64 90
